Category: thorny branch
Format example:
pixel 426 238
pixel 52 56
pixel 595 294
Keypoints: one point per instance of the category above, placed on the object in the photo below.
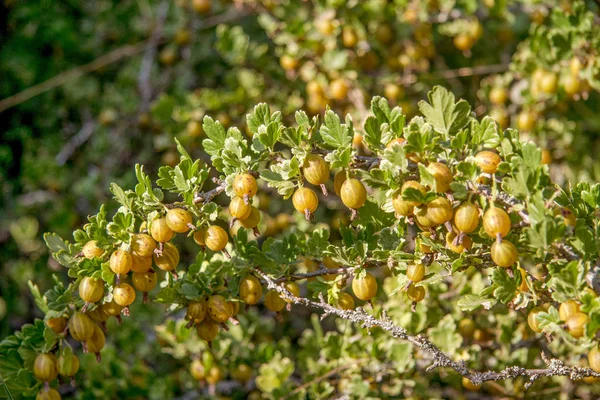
pixel 554 367
pixel 206 197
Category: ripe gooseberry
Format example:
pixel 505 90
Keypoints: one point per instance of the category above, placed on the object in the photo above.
pixel 442 175
pixel 466 217
pixel 496 222
pixel 160 230
pixel 195 312
pixel 120 262
pixel 142 245
pixel 179 220
pixel 315 169
pixel 415 272
pixel 466 327
pixel 242 373
pixel 293 288
pixel 219 308
pixel 123 294
pixel 98 315
pixel 576 324
pixel 245 186
pixel 439 211
pixel 345 301
pixel 96 342
pixel 273 302
pixel 207 330
pixel 144 282
pixel 44 367
pixel 81 326
pixel 305 201
pixel 365 287
pixel 498 95
pixel 594 358
pixel 168 258
pixel 504 254
pixel 338 89
pixel 353 194
pixel 567 309
pixel 416 293
pixel 488 161
pixel 253 219
pixel 239 209
pixel 216 238
pixel 214 375
pixel 533 319
pixel 200 236
pixel 250 289
pixel 57 324
pixel 91 250
pixel 338 180
pixel 91 290
pixel 112 308
pixel 463 41
pixel 50 394
pixel 526 120
pixel 140 264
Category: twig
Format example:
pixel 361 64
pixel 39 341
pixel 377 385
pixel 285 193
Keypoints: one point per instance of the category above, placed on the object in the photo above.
pixel 206 197
pixel 102 61
pixel 74 142
pixel 554 367
pixel 144 86
pixel 319 272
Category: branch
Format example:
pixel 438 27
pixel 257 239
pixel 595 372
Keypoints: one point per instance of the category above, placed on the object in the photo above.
pixel 74 142
pixel 144 86
pixel 554 367
pixel 206 197
pixel 320 272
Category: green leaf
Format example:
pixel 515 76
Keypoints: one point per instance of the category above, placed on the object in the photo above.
pixel 216 136
pixel 334 133
pixel 445 335
pixel 443 113
pixel 505 287
pixel 471 302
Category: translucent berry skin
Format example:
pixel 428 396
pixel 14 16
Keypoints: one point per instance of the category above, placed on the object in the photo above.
pixel 45 368
pixel 169 259
pixel 196 310
pixel 305 199
pixel 245 185
pixel 594 358
pixel 200 236
pixel 293 288
pixel 442 175
pixel 439 211
pixel 216 238
pixel 345 301
pixel 423 219
pixel 140 264
pixel 415 272
pixel 57 324
pixel 496 220
pixel 112 308
pixel 250 290
pixel 120 262
pixel 576 324
pixel 466 217
pixel 338 180
pixel 315 169
pixel 179 220
pixel 253 219
pixel 219 308
pixel 353 194
pixel 402 207
pixel 124 294
pixel 488 161
pixel 567 309
pixel 91 250
pixel 533 320
pixel 96 342
pixel 142 245
pixel 98 315
pixel 67 365
pixel 239 209
pixel 144 281
pixel 365 288
pixel 416 293
pixel 273 302
pixel 81 326
pixel 504 254
pixel 91 290
pixel 51 394
pixel 160 230
pixel 207 330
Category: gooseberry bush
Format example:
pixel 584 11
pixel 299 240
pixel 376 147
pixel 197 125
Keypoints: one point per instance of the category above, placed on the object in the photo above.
pixel 454 251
